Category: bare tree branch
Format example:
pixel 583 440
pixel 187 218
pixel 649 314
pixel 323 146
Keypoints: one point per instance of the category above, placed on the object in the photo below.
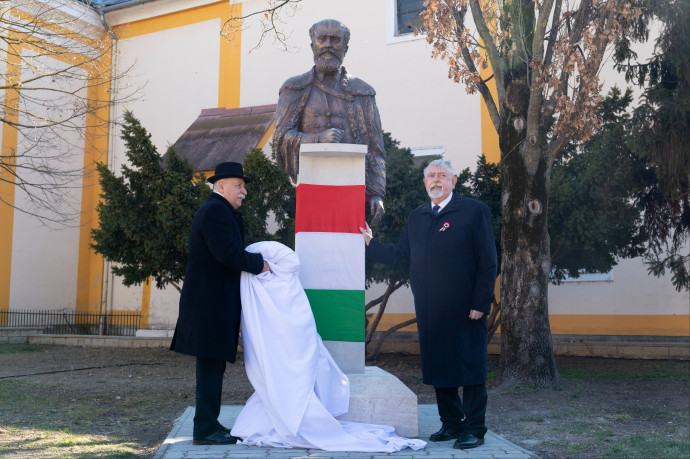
pixel 55 83
pixel 270 22
pixel 388 332
pixel 497 63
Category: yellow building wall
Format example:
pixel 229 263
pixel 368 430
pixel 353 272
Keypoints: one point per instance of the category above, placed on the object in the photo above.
pixel 588 324
pixel 9 147
pixel 229 61
pixel 95 148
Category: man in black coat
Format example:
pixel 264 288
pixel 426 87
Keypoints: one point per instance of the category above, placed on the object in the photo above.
pixel 209 319
pixel 449 247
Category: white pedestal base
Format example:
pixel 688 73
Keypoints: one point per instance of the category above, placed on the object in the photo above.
pixel 378 397
pixel 349 356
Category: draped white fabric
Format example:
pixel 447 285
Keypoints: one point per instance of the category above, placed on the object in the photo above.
pixel 299 389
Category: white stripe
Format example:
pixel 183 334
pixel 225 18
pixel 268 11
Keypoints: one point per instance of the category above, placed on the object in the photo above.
pixel 331 261
pixel 332 164
pixel 348 355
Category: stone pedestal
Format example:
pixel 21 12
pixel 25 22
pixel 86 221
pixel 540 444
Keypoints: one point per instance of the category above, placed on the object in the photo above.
pixel 330 211
pixel 378 397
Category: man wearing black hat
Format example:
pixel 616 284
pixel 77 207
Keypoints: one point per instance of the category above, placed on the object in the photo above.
pixel 209 318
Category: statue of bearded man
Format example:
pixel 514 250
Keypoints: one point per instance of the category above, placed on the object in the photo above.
pixel 328 105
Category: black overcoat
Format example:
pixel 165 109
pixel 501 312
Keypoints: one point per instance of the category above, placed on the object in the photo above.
pixel 452 261
pixel 209 320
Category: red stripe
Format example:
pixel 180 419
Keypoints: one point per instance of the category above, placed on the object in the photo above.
pixel 329 209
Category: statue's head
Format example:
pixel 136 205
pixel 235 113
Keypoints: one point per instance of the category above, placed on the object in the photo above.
pixel 329 39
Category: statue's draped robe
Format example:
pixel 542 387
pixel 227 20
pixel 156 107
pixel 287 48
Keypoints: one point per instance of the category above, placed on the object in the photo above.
pixel 299 388
pixel 362 117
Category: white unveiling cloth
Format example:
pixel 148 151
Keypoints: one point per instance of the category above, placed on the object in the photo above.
pixel 299 389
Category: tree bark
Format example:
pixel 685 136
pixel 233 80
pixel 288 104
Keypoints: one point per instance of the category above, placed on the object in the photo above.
pixel 526 347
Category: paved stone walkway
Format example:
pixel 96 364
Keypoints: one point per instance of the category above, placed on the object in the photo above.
pixel 179 444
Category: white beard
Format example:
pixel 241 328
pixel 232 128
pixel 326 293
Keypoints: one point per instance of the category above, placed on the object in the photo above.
pixel 436 191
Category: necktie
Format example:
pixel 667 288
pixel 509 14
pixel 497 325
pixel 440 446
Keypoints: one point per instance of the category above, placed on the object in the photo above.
pixel 436 209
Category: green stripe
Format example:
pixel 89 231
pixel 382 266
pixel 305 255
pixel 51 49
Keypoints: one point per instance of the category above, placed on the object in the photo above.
pixel 339 314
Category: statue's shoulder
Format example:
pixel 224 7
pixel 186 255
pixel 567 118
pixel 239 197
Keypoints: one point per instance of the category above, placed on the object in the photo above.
pixel 299 82
pixel 356 86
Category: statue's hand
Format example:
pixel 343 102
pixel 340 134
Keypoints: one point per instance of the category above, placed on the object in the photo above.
pixel 332 135
pixel 376 208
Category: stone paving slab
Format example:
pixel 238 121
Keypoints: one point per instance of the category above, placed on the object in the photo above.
pixel 178 445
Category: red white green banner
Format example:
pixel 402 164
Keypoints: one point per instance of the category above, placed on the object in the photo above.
pixel 329 209
pixel 331 249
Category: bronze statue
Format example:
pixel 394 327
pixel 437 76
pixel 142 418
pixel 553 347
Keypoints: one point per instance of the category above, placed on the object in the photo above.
pixel 328 105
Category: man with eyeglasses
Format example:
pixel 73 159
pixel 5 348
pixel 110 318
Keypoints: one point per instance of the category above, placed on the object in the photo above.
pixel 448 245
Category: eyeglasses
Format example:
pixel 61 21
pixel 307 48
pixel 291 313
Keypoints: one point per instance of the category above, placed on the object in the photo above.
pixel 439 175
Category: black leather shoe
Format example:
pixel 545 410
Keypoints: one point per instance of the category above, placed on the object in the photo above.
pixel 467 441
pixel 446 433
pixel 216 438
pixel 223 429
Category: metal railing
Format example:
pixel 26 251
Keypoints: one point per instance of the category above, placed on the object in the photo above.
pixel 118 323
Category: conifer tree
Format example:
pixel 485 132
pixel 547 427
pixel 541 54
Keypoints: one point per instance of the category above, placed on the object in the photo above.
pixel 269 209
pixel 146 212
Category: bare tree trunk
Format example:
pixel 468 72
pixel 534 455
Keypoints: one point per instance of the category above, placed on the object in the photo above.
pixel 526 347
pixel 388 332
pixel 494 320
pixel 170 282
pixel 372 328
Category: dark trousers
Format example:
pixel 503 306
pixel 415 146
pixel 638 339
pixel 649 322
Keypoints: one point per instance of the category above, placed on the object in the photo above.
pixel 468 414
pixel 209 387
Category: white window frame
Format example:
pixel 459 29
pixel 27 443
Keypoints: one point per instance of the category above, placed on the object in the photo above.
pixel 591 277
pixel 392 26
pixel 433 150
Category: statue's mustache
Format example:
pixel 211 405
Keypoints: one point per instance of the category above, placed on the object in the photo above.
pixel 329 51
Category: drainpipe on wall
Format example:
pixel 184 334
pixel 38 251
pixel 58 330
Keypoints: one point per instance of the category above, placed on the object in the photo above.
pixel 105 24
pixel 106 284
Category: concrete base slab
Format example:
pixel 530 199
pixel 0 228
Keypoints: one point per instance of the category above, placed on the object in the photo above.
pixel 378 397
pixel 179 443
pixel 143 333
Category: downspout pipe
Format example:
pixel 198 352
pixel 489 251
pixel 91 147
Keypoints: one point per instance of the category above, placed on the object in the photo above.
pixel 103 307
pixel 105 24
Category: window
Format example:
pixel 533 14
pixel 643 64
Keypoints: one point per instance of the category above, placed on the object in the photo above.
pixel 403 18
pixel 423 155
pixel 407 16
pixel 436 150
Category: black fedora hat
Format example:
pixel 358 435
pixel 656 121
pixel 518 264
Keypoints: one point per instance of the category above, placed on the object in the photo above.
pixel 228 169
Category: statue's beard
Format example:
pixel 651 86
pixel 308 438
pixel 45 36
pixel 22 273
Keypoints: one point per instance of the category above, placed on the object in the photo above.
pixel 328 62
